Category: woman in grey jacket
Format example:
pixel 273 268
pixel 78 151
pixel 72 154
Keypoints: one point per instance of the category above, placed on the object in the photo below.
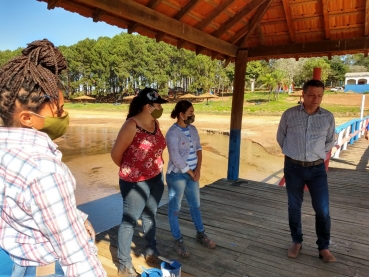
pixel 183 174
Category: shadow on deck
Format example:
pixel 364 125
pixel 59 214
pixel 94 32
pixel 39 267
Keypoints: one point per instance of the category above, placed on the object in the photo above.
pixel 249 224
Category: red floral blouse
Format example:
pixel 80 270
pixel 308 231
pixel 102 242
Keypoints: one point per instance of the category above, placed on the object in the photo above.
pixel 143 159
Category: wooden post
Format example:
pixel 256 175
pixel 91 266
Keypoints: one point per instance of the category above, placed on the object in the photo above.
pixel 236 115
pixel 317 73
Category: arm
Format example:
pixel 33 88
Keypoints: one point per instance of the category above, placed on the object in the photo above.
pixel 367 131
pixel 55 213
pixel 330 141
pixel 173 143
pixel 198 167
pixel 282 130
pixel 124 139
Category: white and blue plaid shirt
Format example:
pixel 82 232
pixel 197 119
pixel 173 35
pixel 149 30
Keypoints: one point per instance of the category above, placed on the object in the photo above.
pixel 305 137
pixel 39 220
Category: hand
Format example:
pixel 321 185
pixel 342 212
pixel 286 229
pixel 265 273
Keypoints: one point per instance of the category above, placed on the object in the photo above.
pixel 191 173
pixel 90 230
pixel 196 174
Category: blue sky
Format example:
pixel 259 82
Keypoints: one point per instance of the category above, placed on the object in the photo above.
pixel 23 21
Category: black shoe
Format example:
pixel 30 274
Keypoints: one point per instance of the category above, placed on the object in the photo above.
pixel 151 254
pixel 180 248
pixel 202 238
pixel 127 272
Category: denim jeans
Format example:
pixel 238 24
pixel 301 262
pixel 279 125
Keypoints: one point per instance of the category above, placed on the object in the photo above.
pixel 179 184
pixel 315 177
pixel 140 199
pixel 30 271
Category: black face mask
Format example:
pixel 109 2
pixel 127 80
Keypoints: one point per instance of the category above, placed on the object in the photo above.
pixel 189 120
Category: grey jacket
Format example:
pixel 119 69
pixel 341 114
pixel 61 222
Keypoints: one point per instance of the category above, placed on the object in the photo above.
pixel 179 147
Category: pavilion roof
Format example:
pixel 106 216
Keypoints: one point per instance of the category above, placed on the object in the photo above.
pixel 218 28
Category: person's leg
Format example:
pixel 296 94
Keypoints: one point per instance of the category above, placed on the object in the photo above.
pixel 318 188
pixel 176 183
pixel 134 200
pixel 294 176
pixel 192 193
pixel 156 186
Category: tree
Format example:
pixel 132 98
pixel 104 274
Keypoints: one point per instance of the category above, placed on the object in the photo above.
pixel 308 67
pixel 338 70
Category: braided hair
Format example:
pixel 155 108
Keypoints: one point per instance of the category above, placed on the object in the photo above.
pixel 31 78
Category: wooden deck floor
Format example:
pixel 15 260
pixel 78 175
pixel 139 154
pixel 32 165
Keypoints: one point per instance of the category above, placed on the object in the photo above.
pixel 249 223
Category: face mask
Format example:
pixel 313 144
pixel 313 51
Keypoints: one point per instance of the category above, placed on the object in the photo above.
pixel 55 127
pixel 189 120
pixel 156 113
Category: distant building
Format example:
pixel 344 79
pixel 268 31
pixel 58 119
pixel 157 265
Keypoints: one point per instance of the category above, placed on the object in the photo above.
pixel 357 82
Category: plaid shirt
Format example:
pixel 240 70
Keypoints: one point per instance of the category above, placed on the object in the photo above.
pixel 39 221
pixel 306 137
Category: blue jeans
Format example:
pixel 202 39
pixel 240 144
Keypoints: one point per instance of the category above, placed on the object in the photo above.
pixel 179 184
pixel 140 199
pixel 30 271
pixel 315 177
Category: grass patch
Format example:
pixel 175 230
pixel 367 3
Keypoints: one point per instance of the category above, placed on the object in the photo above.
pixel 254 104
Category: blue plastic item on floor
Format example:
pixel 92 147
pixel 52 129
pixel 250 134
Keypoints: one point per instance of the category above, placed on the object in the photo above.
pixel 151 272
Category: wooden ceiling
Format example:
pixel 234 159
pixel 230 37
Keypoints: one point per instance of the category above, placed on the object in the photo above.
pixel 218 28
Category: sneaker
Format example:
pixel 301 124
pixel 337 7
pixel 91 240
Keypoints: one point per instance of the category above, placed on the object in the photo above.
pixel 127 272
pixel 151 254
pixel 202 238
pixel 180 248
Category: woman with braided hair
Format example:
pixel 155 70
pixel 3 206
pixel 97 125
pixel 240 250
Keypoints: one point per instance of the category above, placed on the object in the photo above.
pixel 40 226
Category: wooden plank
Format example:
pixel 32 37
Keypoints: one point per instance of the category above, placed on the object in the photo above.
pixel 248 221
pixel 255 20
pixel 367 18
pixel 287 11
pixel 334 46
pixel 326 19
pixel 214 14
pixel 136 12
pixel 186 9
pixel 239 16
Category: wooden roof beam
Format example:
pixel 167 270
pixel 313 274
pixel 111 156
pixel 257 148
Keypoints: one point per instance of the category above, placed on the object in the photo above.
pixel 154 3
pixel 180 43
pixel 255 20
pixel 260 34
pixel 96 14
pixel 51 4
pixel 132 27
pixel 326 19
pixel 293 49
pixel 291 27
pixel 214 14
pixel 131 10
pixel 367 18
pixel 241 14
pixel 159 36
pixel 186 9
pixel 227 61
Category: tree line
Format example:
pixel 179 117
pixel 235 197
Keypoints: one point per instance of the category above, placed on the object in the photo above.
pixel 126 62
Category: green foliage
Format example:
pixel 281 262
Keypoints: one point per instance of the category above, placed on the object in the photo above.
pixel 255 103
pixel 114 66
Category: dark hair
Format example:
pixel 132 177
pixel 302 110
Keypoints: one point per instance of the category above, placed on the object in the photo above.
pixel 312 83
pixel 181 107
pixel 144 96
pixel 32 78
pixel 135 107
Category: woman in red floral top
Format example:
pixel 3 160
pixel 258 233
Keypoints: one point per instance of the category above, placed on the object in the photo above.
pixel 138 152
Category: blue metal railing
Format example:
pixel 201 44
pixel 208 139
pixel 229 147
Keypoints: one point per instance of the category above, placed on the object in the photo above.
pixel 348 133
